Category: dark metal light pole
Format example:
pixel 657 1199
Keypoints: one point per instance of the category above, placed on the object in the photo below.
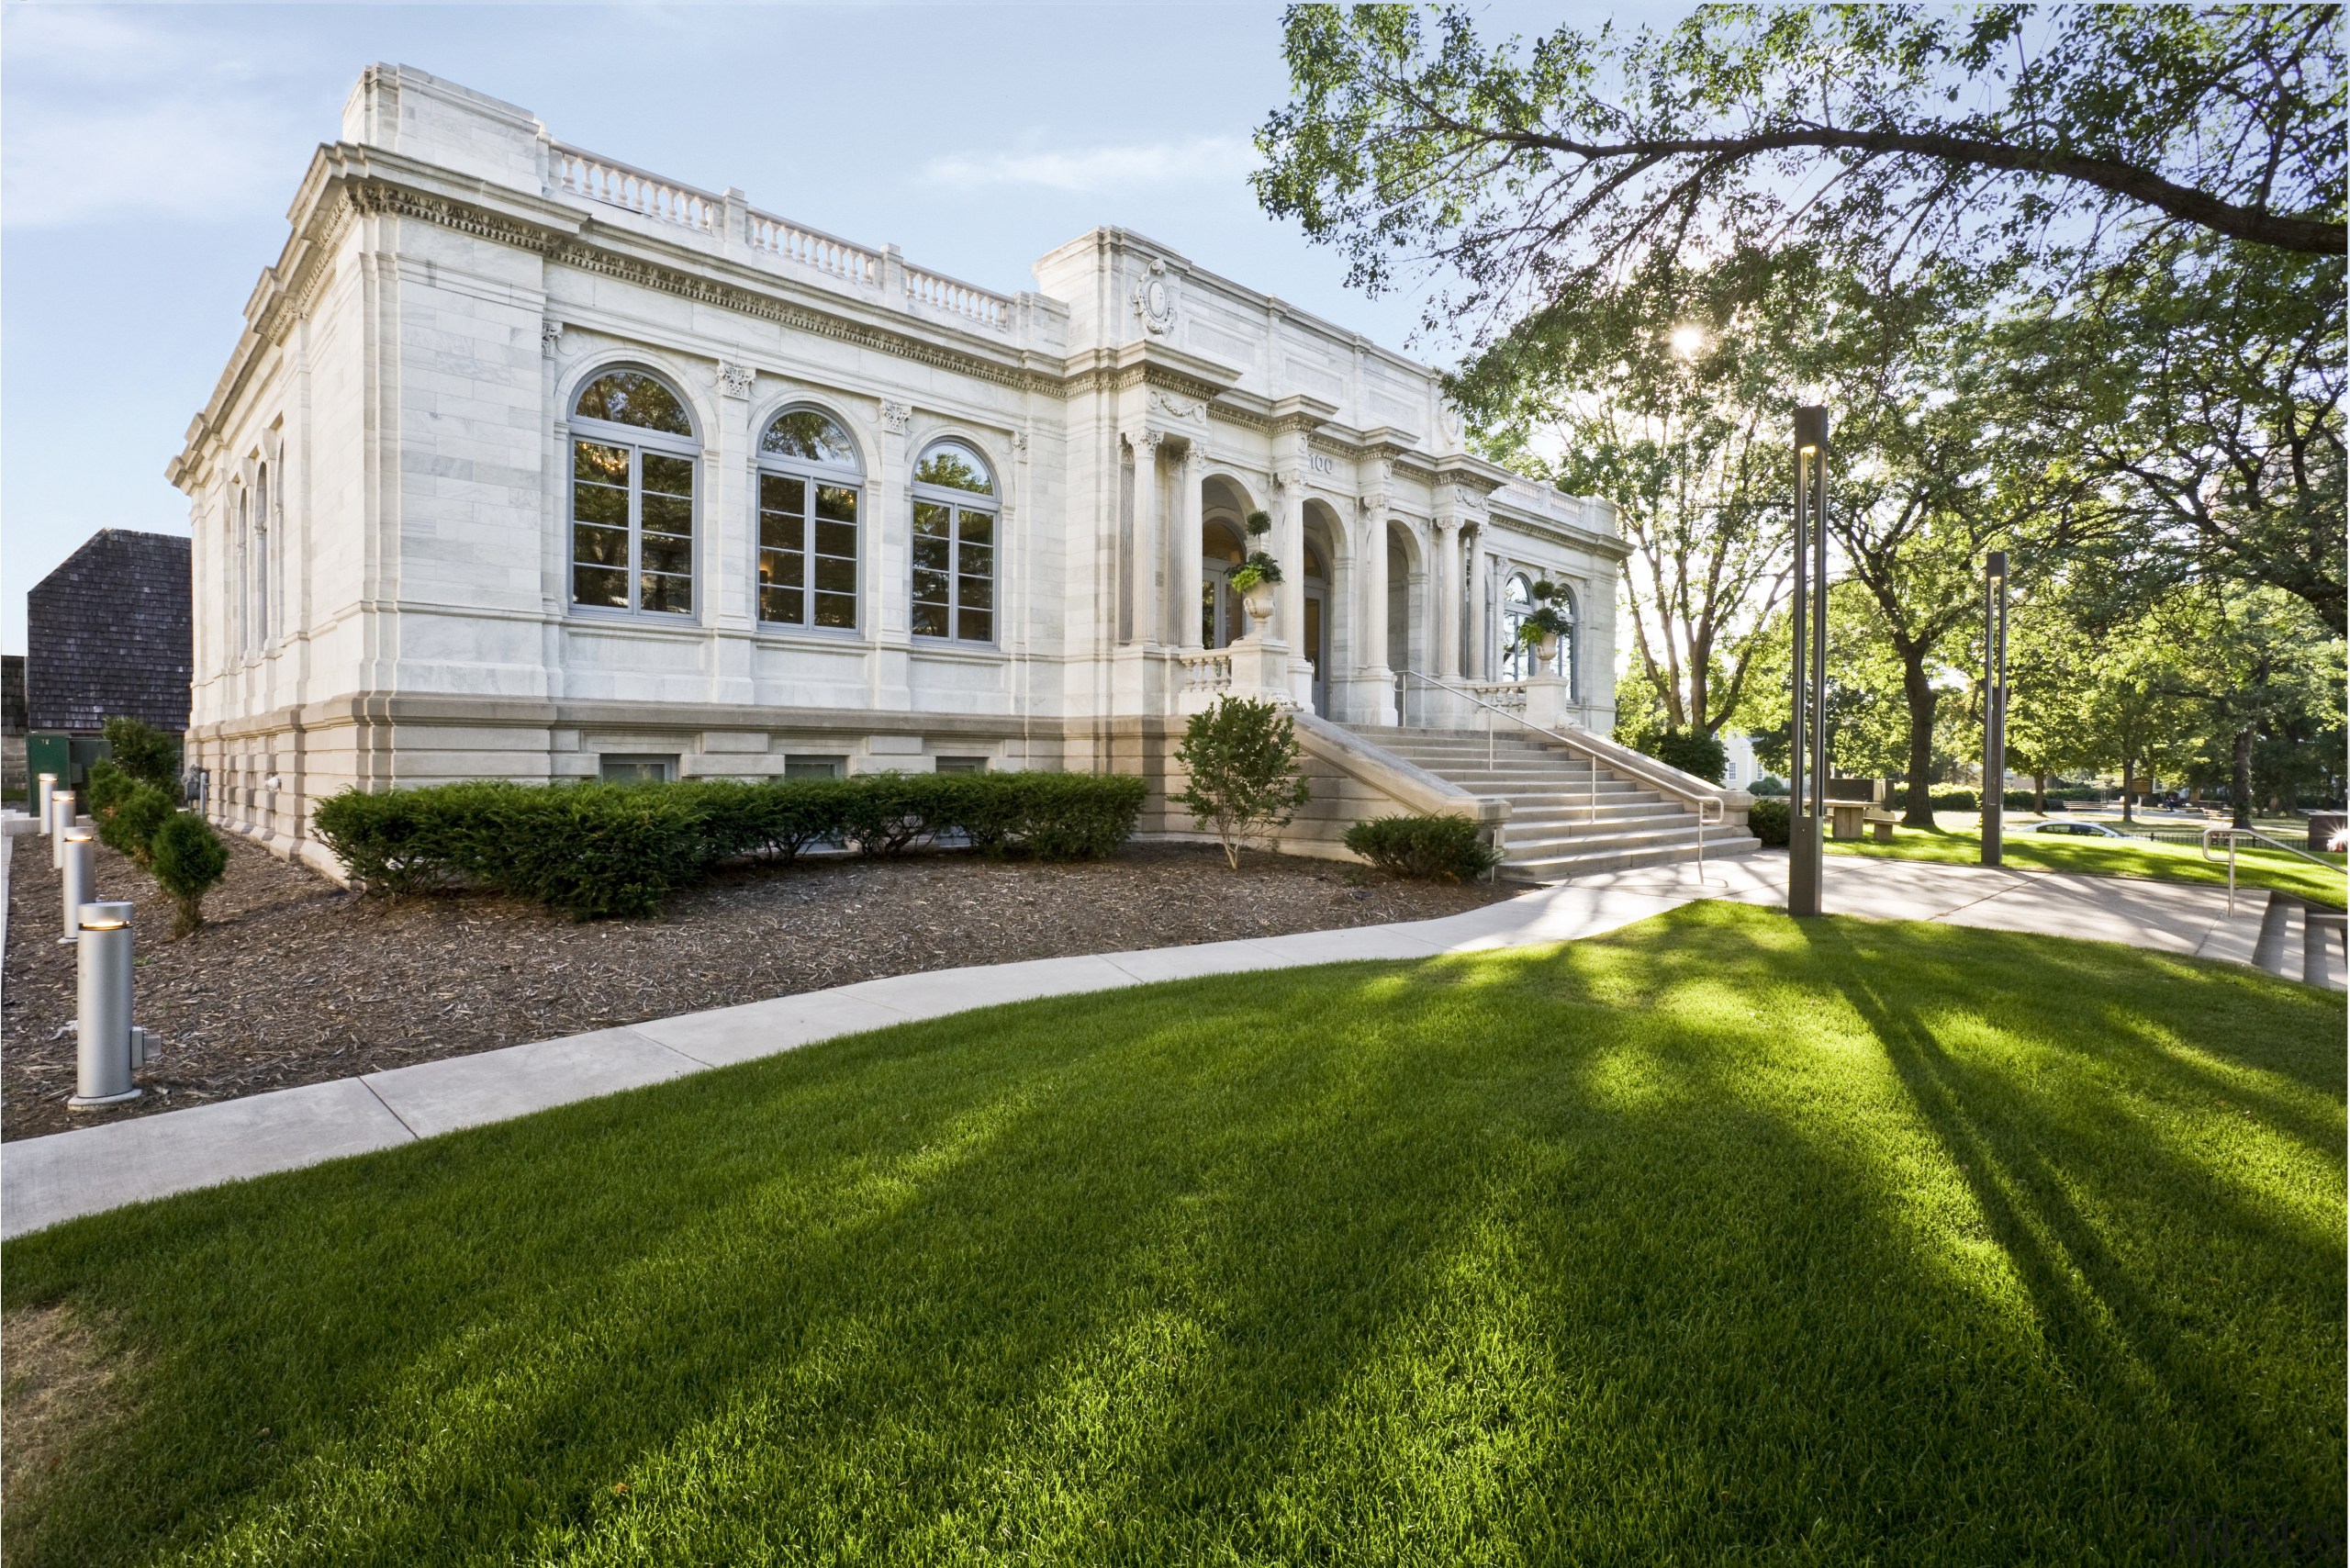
pixel 1808 727
pixel 1995 702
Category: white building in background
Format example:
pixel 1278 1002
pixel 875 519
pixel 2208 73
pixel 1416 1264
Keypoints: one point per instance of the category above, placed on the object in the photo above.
pixel 534 464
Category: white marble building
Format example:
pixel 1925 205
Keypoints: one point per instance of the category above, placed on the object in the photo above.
pixel 534 464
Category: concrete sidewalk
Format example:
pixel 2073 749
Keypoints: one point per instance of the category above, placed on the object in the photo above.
pixel 44 1180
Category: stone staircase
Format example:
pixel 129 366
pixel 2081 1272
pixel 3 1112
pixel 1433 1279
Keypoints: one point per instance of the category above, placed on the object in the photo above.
pixel 1563 822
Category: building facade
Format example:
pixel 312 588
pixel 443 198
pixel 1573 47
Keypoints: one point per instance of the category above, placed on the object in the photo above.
pixel 532 464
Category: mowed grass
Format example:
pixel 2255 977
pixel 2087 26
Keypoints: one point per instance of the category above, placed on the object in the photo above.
pixel 1726 1239
pixel 1958 842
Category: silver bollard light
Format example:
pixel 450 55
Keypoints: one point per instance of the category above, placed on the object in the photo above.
pixel 48 788
pixel 81 878
pixel 103 1037
pixel 61 806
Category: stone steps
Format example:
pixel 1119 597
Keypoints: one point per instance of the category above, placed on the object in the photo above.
pixel 1568 817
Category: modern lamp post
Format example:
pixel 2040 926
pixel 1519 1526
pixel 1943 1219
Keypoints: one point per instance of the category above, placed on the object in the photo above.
pixel 1807 728
pixel 1995 702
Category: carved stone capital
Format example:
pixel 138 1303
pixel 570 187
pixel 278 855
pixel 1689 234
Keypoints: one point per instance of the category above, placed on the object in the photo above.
pixel 550 338
pixel 897 416
pixel 734 380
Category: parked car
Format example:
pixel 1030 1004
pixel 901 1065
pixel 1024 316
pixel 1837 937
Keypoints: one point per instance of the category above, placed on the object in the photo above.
pixel 2081 830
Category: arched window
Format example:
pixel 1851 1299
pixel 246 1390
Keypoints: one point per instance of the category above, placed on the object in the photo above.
pixel 809 475
pixel 241 596
pixel 1517 660
pixel 955 510
pixel 260 558
pixel 632 459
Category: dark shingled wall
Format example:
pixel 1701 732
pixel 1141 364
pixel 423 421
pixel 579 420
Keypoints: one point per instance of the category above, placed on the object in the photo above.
pixel 108 633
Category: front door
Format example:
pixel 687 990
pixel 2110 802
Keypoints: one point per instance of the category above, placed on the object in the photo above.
pixel 1314 632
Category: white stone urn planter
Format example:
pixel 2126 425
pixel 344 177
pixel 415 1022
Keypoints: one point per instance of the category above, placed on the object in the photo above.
pixel 1546 650
pixel 1259 602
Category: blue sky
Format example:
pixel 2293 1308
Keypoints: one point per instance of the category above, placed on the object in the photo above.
pixel 148 155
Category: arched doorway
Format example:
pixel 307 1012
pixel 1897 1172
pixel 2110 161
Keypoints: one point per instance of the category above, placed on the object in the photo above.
pixel 1222 621
pixel 1314 637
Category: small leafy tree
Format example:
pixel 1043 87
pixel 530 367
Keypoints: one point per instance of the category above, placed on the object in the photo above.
pixel 146 753
pixel 1242 758
pixel 188 861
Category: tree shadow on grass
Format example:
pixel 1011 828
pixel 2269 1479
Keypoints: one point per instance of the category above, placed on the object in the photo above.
pixel 1596 1254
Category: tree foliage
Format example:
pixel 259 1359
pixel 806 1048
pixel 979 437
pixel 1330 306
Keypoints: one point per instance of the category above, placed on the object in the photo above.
pixel 1242 757
pixel 2009 133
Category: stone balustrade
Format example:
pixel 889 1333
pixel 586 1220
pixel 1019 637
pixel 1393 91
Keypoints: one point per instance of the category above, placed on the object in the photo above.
pixel 959 299
pixel 787 241
pixel 616 185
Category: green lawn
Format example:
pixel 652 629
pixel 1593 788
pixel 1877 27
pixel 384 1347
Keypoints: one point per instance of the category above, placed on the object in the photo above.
pixel 1725 1239
pixel 1958 840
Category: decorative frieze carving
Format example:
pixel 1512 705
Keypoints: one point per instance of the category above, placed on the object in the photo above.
pixel 897 416
pixel 734 380
pixel 1177 408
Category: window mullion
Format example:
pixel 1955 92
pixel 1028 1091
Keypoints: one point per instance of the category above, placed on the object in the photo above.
pixel 636 530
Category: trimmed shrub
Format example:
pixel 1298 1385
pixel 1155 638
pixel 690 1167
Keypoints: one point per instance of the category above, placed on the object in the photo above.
pixel 149 755
pixel 1769 785
pixel 595 850
pixel 2016 800
pixel 1768 819
pixel 1437 849
pixel 107 787
pixel 887 812
pixel 1698 754
pixel 1071 816
pixel 1954 800
pixel 130 826
pixel 188 861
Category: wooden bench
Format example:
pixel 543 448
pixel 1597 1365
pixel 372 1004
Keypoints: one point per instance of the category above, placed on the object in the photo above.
pixel 1882 822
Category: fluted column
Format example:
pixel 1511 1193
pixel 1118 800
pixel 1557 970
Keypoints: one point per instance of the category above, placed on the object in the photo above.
pixel 1377 704
pixel 1190 546
pixel 1445 587
pixel 1149 594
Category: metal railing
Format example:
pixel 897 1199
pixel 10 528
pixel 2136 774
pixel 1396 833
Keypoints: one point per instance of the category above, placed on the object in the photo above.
pixel 1592 757
pixel 2235 835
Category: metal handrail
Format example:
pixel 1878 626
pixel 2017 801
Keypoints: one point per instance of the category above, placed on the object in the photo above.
pixel 1591 754
pixel 2235 835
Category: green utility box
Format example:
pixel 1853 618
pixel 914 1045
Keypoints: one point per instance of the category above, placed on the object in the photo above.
pixel 67 755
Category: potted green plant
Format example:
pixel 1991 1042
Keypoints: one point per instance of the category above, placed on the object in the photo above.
pixel 1255 578
pixel 1545 624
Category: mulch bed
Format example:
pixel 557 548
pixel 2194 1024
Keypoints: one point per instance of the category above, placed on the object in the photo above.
pixel 294 981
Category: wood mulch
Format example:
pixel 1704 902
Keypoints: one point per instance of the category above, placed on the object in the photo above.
pixel 294 981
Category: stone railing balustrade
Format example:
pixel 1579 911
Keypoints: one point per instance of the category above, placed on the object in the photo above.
pixel 616 185
pixel 959 299
pixel 1209 671
pixel 812 247
pixel 1504 694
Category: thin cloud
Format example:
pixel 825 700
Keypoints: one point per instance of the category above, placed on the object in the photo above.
pixel 1201 160
pixel 178 160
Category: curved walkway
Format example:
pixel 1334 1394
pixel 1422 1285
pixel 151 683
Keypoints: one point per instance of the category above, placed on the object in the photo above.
pixel 44 1180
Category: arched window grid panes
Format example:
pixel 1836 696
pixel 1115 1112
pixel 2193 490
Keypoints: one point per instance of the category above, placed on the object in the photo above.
pixel 1222 547
pixel 1517 660
pixel 810 493
pixel 957 513
pixel 633 502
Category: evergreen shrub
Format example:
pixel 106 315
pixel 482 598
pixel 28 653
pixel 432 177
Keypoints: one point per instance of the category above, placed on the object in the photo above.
pixel 1768 819
pixel 188 859
pixel 596 850
pixel 1700 755
pixel 1437 849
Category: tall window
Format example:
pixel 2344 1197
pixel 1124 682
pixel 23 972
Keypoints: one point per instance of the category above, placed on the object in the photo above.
pixel 1517 660
pixel 809 478
pixel 260 558
pixel 956 508
pixel 633 454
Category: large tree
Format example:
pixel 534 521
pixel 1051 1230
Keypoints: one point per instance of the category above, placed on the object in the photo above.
pixel 1665 397
pixel 2014 134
